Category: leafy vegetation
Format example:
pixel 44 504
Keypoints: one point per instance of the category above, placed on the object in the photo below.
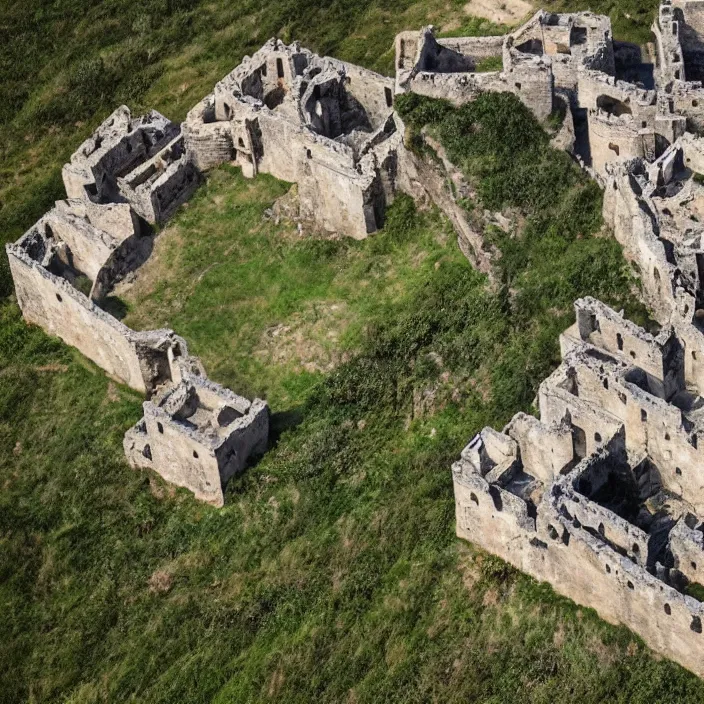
pixel 507 156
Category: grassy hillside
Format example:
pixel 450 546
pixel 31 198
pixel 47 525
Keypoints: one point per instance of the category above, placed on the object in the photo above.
pixel 332 574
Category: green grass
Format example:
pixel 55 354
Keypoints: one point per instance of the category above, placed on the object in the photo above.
pixel 271 312
pixel 491 63
pixel 476 27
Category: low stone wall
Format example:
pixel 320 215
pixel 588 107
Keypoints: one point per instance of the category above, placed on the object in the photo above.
pixel 476 47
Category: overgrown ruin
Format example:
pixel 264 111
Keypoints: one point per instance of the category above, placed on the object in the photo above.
pixel 601 495
pixel 322 123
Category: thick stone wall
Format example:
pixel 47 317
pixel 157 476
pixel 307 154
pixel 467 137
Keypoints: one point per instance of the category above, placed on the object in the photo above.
pixel 52 303
pixel 585 551
pixel 208 142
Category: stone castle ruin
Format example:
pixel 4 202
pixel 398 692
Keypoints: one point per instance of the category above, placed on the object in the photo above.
pixel 601 495
pixel 133 173
pixel 323 124
pixel 616 105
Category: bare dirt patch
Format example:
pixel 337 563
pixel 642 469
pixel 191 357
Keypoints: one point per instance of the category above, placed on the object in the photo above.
pixel 505 12
pixel 160 582
pixel 308 339
pixel 52 368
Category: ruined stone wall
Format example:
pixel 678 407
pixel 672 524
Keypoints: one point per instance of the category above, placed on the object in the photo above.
pixel 249 436
pixel 556 547
pixel 687 546
pixel 632 221
pixel 458 88
pixel 660 358
pixel 207 141
pixel 180 457
pixel 544 450
pixel 531 80
pixel 534 88
pixel 338 198
pixel 90 247
pixel 670 56
pixel 614 138
pixel 331 190
pixel 52 303
pixel 156 188
pixel 477 47
pixel 198 435
pixel 558 403
pixel 373 91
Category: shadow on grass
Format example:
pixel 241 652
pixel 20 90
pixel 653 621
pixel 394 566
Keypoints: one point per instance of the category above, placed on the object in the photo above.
pixel 115 306
pixel 282 421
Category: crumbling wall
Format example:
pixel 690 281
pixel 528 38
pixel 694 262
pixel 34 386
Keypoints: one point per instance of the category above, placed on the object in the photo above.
pixel 545 450
pixel 156 188
pixel 180 457
pixel 116 147
pixel 666 28
pixel 56 306
pixel 372 90
pixel 613 138
pixel 478 48
pixel 207 141
pixel 422 69
pixel 632 220
pixel 660 358
pixel 571 544
pixel 198 435
pixel 686 543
